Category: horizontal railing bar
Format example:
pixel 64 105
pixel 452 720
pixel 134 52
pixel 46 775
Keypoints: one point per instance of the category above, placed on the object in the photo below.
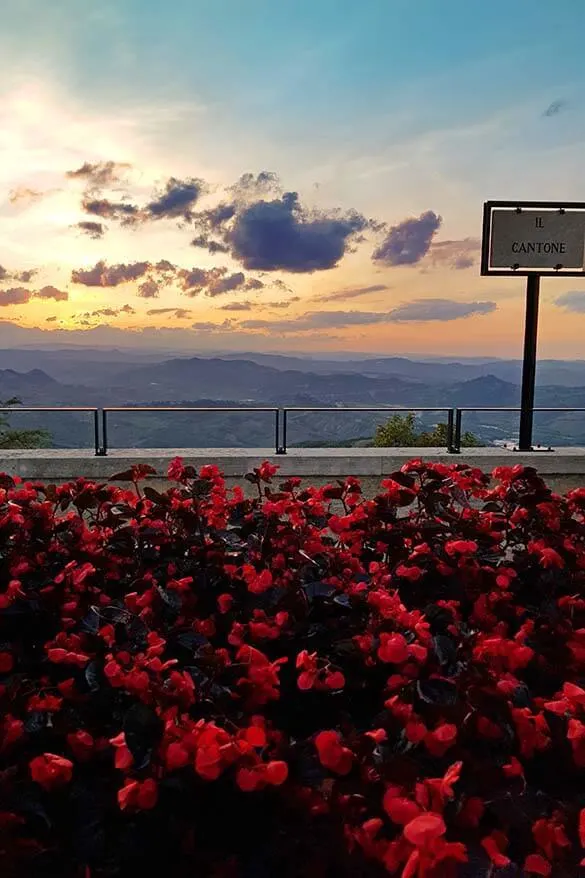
pixel 47 408
pixel 516 409
pixel 366 409
pixel 173 408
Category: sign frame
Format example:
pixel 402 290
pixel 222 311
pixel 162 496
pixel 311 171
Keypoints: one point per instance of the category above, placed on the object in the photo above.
pixel 487 270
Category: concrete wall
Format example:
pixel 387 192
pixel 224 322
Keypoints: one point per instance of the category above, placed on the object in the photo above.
pixel 563 469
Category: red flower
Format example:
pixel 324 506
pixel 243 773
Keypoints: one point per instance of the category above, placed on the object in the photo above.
pixel 537 864
pixel 50 770
pixel 6 662
pixel 424 829
pixel 443 737
pixel 399 809
pixel 138 795
pixel 461 547
pixel 176 756
pixel 393 648
pixel 332 754
pixel 494 845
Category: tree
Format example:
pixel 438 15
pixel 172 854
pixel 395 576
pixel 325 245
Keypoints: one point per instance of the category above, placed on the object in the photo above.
pixel 10 438
pixel 400 432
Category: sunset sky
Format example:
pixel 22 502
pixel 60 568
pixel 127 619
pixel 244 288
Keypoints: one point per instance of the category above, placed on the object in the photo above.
pixel 301 175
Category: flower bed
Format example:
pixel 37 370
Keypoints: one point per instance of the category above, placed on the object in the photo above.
pixel 309 683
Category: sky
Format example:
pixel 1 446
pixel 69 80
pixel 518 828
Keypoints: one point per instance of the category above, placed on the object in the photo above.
pixel 306 175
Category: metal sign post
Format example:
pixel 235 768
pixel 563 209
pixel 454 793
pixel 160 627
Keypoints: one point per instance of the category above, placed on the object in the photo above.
pixel 532 239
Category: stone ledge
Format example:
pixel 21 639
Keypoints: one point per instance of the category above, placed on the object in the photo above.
pixel 322 463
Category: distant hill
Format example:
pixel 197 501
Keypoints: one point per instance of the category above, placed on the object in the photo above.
pixel 125 380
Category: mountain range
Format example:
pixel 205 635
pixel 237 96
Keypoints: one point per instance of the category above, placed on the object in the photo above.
pixel 98 377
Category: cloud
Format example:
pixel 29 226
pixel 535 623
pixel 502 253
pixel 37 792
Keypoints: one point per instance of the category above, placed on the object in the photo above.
pixel 213 281
pixel 93 229
pixel 149 289
pixel 421 310
pixel 555 108
pixel 206 243
pixel 179 313
pixel 50 292
pixel 24 277
pixel 100 175
pixel 14 296
pixel 425 310
pixel 280 234
pixel 237 306
pixel 268 235
pixel 109 312
pixel 177 199
pixel 207 326
pixel 283 305
pixel 352 293
pixel 250 186
pixel 227 284
pixel 102 275
pixel 51 319
pixel 460 254
pixel 317 320
pixel 409 241
pixel 24 194
pixel 127 214
pixel 573 301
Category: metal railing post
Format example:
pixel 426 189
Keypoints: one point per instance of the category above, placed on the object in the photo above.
pixel 96 432
pixel 284 446
pixel 104 432
pixel 450 429
pixel 457 439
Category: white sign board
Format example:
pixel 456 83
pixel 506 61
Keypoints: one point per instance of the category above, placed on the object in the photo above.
pixel 537 239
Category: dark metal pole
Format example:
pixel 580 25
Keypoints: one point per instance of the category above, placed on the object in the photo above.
pixel 529 362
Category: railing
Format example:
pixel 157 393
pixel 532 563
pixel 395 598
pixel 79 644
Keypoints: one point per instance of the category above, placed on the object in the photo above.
pixel 459 412
pixel 281 417
pixel 61 408
pixel 199 409
pixel 376 410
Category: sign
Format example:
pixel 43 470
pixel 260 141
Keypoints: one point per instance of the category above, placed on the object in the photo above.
pixel 533 238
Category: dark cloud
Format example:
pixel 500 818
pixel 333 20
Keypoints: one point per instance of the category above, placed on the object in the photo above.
pixel 149 289
pixel 23 277
pixel 460 254
pixel 51 319
pixel 102 275
pixel 353 293
pixel 424 310
pixel 237 306
pixel 206 243
pixel 177 200
pixel 227 284
pixel 409 241
pixel 254 283
pixel 573 301
pixel 212 282
pixel 93 229
pixel 555 108
pixel 280 234
pixel 127 214
pixel 100 175
pixel 50 292
pixel 14 296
